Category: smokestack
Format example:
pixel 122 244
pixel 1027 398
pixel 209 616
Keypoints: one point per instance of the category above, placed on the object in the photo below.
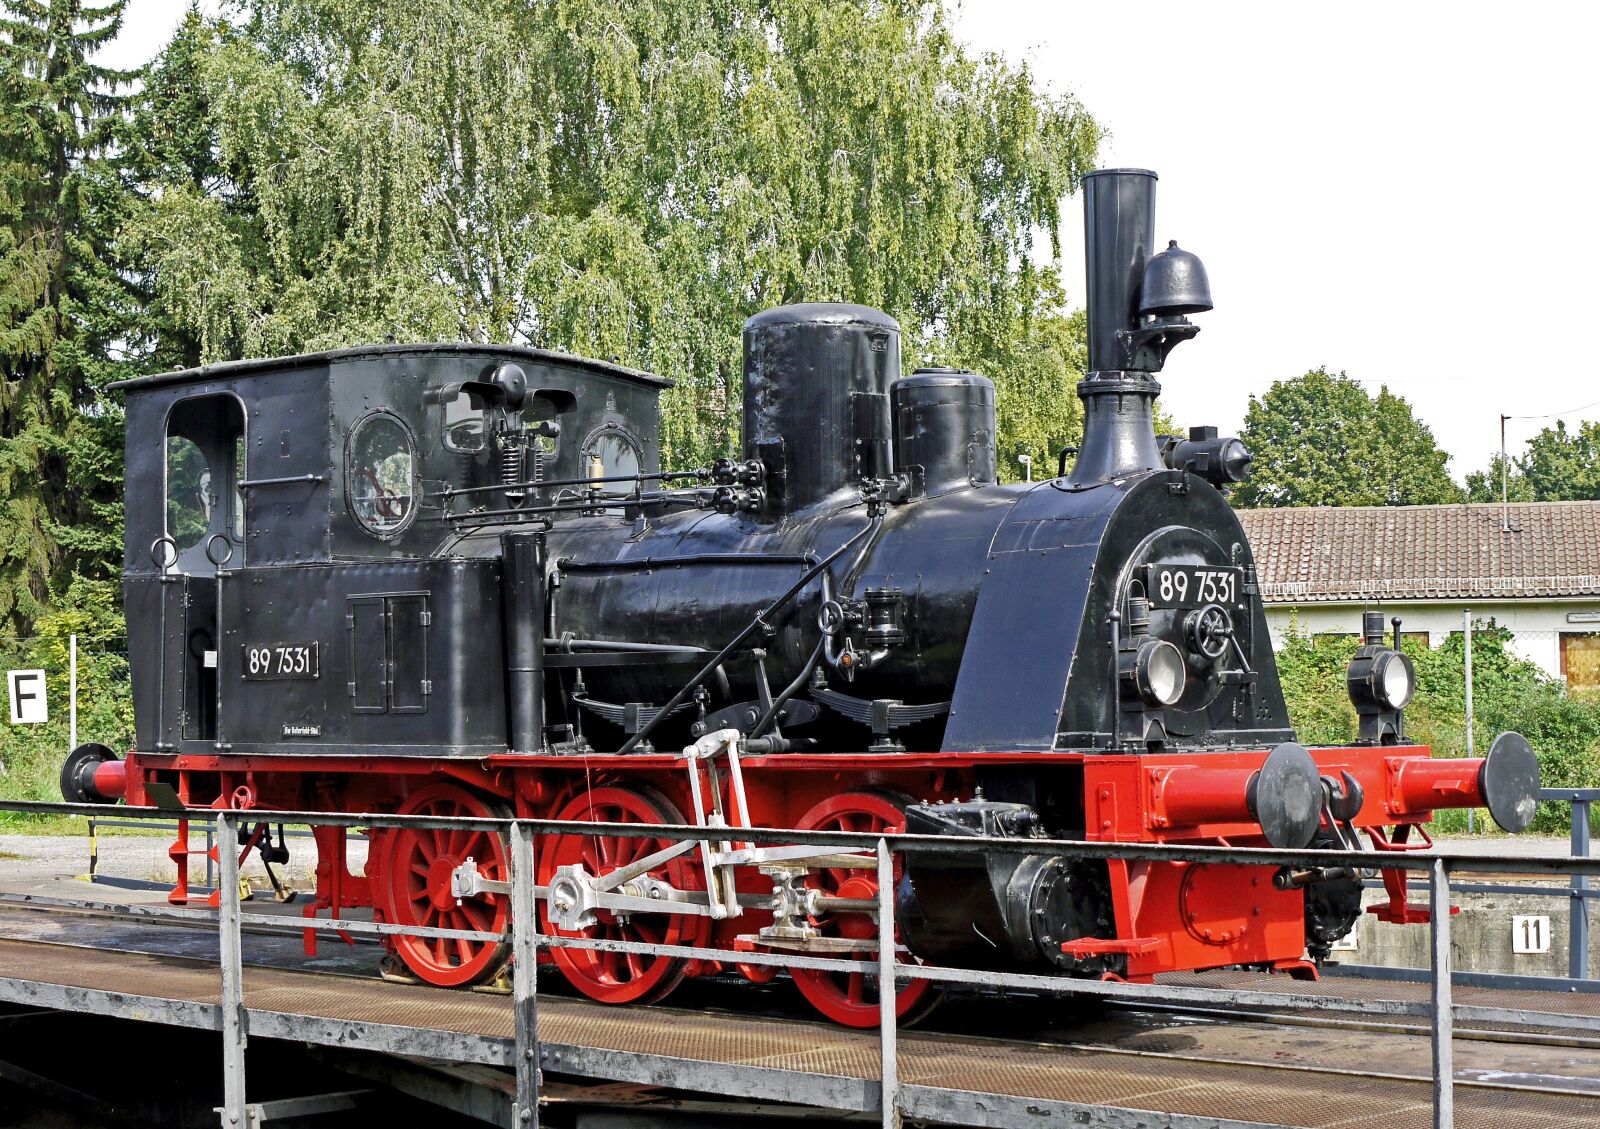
pixel 1119 436
pixel 1119 211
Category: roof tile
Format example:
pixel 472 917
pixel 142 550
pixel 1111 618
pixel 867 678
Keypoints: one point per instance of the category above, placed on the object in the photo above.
pixel 1333 553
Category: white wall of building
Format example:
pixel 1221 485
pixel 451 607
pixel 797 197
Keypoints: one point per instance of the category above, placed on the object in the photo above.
pixel 1536 626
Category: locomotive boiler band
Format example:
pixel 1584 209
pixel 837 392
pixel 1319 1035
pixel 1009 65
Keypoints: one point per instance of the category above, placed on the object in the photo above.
pixel 455 580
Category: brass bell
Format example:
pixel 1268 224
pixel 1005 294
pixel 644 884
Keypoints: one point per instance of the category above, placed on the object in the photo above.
pixel 1174 283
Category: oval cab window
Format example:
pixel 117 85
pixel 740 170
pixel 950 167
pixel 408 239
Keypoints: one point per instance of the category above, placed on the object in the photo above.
pixel 380 479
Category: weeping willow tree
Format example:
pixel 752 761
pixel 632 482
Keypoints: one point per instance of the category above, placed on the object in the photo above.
pixel 619 178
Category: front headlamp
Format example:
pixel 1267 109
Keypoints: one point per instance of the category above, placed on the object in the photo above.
pixel 1393 680
pixel 1380 679
pixel 1157 672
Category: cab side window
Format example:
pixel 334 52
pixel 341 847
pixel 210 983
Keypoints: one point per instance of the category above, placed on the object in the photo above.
pixel 205 469
pixel 465 430
pixel 189 497
pixel 381 475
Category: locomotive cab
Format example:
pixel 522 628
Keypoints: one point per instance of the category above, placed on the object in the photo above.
pixel 346 473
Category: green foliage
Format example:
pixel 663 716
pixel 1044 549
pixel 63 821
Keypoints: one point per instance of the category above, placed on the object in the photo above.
pixel 66 314
pixel 32 754
pixel 1486 485
pixel 1509 693
pixel 1321 440
pixel 627 179
pixel 1558 466
pixel 1563 465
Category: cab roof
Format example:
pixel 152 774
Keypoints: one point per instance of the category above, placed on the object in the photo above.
pixel 223 369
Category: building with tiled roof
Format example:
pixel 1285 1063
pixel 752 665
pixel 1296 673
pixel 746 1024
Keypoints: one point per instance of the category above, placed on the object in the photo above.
pixel 1532 567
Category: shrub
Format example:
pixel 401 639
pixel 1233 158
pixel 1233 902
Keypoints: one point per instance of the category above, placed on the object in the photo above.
pixel 32 754
pixel 1509 693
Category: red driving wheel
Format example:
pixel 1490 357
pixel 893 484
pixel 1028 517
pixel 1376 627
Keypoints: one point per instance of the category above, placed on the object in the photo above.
pixel 415 888
pixel 851 998
pixel 615 977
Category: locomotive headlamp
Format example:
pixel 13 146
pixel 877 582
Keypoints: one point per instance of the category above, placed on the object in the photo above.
pixel 1381 682
pixel 1157 672
pixel 1380 678
pixel 1394 680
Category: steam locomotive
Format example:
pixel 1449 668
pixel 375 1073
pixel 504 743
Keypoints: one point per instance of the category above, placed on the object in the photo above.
pixel 454 580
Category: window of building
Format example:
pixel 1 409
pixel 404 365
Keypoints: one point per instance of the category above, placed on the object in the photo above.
pixel 1580 659
pixel 1353 640
pixel 381 475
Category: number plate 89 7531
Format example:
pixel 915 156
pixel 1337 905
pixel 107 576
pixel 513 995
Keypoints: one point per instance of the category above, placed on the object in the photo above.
pixel 280 660
pixel 1190 586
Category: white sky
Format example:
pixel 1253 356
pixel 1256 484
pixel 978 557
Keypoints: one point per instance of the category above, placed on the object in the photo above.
pixel 1398 190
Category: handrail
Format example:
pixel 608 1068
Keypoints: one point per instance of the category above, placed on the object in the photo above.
pixel 1458 862
pixel 525 938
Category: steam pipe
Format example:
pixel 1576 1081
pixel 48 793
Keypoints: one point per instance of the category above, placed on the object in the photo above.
pixel 522 600
pixel 869 530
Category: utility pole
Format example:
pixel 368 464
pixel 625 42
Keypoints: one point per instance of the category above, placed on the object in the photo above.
pixel 1505 480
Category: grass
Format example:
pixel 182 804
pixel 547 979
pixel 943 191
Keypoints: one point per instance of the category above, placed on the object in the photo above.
pixel 17 823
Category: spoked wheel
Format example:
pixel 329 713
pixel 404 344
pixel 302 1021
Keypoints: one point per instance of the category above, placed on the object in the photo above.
pixel 852 998
pixel 618 977
pixel 415 887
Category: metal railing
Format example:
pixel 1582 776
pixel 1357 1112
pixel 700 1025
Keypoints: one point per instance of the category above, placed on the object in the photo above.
pixel 1578 892
pixel 1441 1011
pixel 206 824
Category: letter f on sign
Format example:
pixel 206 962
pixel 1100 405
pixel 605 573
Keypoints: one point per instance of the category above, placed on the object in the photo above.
pixel 28 705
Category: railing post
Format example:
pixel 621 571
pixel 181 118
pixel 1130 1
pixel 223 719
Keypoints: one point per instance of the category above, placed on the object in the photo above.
pixel 1578 918
pixel 525 974
pixel 235 1113
pixel 888 1072
pixel 1443 1008
pixel 211 842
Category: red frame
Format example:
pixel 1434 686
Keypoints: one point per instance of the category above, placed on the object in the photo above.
pixel 1170 916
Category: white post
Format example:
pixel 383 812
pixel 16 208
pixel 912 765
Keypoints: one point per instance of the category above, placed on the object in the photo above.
pixel 72 693
pixel 1466 633
pixel 525 976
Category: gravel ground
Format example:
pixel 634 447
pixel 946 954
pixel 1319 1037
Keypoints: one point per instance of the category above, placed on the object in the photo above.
pixel 34 858
pixel 1520 846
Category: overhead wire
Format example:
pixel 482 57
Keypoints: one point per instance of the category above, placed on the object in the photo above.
pixel 1548 415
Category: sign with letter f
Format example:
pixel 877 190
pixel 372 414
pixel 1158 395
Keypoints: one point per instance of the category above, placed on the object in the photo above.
pixel 28 705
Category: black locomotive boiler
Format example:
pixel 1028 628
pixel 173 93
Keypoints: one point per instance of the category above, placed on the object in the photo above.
pixel 454 579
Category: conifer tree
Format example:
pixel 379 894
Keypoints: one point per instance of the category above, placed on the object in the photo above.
pixel 65 311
